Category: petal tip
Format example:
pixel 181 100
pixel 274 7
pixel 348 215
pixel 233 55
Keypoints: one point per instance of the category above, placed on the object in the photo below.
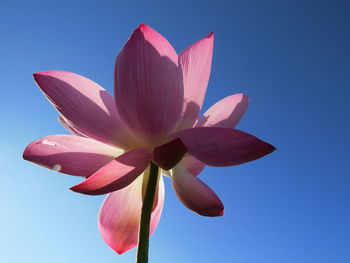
pixel 143 26
pixel 82 189
pixel 211 35
pixel 215 211
pixel 144 29
pixel 44 73
pixel 25 154
pixel 242 96
pixel 244 99
pixel 28 151
pixel 120 251
pixel 269 147
pixel 37 75
pixel 218 211
pixel 75 188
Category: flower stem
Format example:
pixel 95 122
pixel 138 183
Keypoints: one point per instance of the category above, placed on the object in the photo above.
pixel 142 248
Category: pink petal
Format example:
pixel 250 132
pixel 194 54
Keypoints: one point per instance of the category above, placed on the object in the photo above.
pixel 116 174
pixel 225 113
pixel 148 86
pixel 70 154
pixel 218 146
pixel 87 107
pixel 169 154
pixel 195 194
pixel 120 213
pixel 192 165
pixel 196 64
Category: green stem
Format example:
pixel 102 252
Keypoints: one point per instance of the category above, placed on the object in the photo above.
pixel 142 249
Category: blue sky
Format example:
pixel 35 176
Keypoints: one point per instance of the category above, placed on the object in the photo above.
pixel 290 57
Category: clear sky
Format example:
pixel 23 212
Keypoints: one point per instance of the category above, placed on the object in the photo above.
pixel 292 59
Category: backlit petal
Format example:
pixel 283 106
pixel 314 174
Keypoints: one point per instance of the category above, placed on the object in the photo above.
pixel 196 64
pixel 225 113
pixel 169 154
pixel 218 146
pixel 120 213
pixel 149 86
pixel 70 154
pixel 86 106
pixel 192 165
pixel 116 174
pixel 195 194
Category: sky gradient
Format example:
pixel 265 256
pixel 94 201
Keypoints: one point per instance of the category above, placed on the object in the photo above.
pixel 290 57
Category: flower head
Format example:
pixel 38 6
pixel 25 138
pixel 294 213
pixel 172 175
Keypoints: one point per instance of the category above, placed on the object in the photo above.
pixel 154 117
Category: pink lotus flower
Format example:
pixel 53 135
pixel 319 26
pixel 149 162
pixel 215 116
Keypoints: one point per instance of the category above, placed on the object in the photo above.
pixel 153 118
